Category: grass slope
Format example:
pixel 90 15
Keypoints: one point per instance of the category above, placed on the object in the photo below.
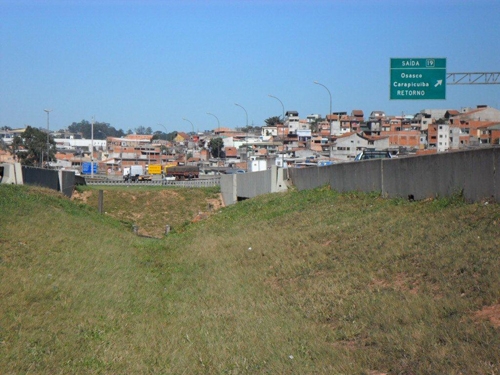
pixel 299 283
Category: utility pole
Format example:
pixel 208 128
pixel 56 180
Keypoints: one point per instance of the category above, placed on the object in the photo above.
pixel 92 148
pixel 48 138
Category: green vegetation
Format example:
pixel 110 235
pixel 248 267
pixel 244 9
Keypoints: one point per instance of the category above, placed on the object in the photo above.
pixel 311 282
pixel 34 143
pixel 152 208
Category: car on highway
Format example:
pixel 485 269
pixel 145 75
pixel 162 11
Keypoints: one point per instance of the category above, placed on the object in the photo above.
pixel 373 154
pixel 235 171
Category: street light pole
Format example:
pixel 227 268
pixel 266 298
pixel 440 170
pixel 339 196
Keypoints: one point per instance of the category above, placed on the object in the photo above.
pixel 218 122
pixel 283 126
pixel 317 83
pixel 283 107
pixel 185 119
pixel 48 132
pixel 246 114
pixel 218 127
pixel 166 140
pixel 92 148
pixel 246 137
pixel 329 122
pixel 164 128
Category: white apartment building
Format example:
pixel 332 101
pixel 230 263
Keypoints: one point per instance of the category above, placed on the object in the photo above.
pixel 292 121
pixel 443 138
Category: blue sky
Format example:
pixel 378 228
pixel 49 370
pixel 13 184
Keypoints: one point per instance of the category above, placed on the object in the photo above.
pixel 145 63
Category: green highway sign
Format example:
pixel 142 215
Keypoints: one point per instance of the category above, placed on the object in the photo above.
pixel 418 78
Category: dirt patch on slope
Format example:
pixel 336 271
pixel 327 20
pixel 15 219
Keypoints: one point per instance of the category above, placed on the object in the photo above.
pixel 491 313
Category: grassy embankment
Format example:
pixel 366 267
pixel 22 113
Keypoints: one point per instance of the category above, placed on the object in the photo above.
pixel 302 283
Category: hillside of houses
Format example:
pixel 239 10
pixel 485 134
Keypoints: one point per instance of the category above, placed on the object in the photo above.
pixel 295 142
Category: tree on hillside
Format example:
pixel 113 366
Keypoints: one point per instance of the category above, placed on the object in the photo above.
pixel 143 130
pixel 215 146
pixel 101 130
pixel 34 143
pixel 315 124
pixel 250 129
pixel 14 147
pixel 164 136
pixel 273 121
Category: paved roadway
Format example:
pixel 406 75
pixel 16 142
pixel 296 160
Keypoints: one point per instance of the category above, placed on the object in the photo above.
pixel 203 181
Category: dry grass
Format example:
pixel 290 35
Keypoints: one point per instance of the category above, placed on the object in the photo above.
pixel 298 283
pixel 151 209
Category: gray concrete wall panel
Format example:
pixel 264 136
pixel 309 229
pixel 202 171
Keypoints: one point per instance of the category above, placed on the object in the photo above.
pixel 67 181
pixel 307 178
pixel 252 184
pixel 228 188
pixel 42 177
pixel 475 173
pixel 359 177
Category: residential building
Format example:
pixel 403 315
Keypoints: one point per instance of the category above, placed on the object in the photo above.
pixel 347 146
pixel 443 137
pixel 292 122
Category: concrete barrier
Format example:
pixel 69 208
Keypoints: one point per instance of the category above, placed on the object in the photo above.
pixel 15 173
pixel 11 173
pixel 473 173
pixel 236 187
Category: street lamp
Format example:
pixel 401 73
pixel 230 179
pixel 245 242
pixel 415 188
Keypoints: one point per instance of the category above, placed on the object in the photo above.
pixel 166 133
pixel 282 106
pixel 218 127
pixel 92 148
pixel 48 143
pixel 283 125
pixel 166 139
pixel 246 136
pixel 185 119
pixel 316 82
pixel 329 122
pixel 218 122
pixel 246 114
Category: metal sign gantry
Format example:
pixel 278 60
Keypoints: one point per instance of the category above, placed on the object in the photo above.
pixel 478 78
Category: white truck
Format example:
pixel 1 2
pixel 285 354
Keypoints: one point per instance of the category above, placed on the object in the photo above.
pixel 135 173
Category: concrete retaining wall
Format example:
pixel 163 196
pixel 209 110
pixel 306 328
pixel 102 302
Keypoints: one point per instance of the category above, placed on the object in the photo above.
pixel 475 173
pixel 63 181
pixel 11 173
pixel 235 187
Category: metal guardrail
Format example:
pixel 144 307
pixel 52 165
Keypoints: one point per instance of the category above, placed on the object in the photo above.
pixel 195 183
